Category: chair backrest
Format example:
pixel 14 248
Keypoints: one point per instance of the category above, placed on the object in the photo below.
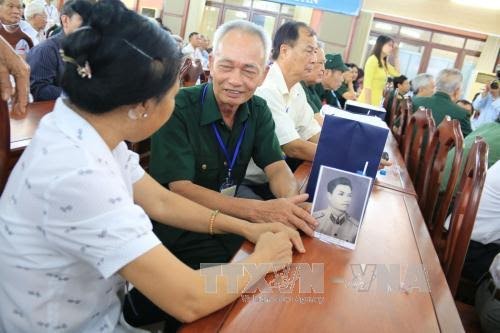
pixel 4 143
pixel 386 94
pixel 446 136
pixel 399 119
pixel 457 239
pixel 190 72
pixel 418 131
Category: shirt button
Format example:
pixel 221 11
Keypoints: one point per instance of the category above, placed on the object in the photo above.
pixel 225 163
pixel 204 167
pixel 335 235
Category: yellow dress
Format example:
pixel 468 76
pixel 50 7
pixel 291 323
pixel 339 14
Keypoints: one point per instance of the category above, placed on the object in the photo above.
pixel 375 79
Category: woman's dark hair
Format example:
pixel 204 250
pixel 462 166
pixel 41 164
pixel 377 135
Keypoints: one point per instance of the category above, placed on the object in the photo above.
pixel 288 34
pixel 399 80
pixel 332 184
pixel 377 49
pixel 131 59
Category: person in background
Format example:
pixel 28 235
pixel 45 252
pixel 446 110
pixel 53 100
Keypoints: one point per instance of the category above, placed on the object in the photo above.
pixel 487 301
pixel 192 49
pixel 10 18
pixel 442 102
pixel 52 15
pixel 402 87
pixel 87 230
pixel 46 62
pixel 378 69
pixel 36 19
pixel 487 105
pixel 314 78
pixel 12 64
pixel 467 106
pixel 204 45
pixel 332 80
pixel 346 90
pixel 423 85
pixel 355 76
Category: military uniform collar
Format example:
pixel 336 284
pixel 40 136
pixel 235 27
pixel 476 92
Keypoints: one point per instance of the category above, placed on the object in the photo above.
pixel 210 110
pixel 442 95
pixel 339 220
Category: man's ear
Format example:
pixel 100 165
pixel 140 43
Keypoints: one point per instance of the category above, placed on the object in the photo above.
pixel 211 61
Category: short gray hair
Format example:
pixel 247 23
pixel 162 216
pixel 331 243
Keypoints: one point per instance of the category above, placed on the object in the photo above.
pixel 33 8
pixel 247 27
pixel 420 81
pixel 449 80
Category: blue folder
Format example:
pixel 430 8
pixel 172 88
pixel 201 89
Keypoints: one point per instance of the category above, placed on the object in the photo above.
pixel 366 109
pixel 347 142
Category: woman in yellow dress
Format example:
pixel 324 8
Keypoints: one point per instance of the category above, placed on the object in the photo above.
pixel 377 70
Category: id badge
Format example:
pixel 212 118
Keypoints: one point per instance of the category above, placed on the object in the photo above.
pixel 228 188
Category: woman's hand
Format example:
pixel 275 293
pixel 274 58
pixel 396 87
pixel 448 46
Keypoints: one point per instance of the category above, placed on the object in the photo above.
pixel 258 229
pixel 274 250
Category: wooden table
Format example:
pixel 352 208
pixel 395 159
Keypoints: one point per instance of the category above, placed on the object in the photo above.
pixel 393 233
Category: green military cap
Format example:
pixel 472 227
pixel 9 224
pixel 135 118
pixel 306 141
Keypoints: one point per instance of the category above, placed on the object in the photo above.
pixel 334 61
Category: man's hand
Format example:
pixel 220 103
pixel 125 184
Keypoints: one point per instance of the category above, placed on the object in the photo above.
pixel 257 229
pixel 288 212
pixel 13 64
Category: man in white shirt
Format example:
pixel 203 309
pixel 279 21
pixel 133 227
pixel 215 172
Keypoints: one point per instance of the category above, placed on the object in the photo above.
pixel 52 15
pixel 36 20
pixel 298 132
pixel 192 49
pixel 485 238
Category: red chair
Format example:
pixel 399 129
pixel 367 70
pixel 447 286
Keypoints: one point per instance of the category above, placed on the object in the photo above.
pixel 190 72
pixel 399 120
pixel 447 135
pixel 417 134
pixel 455 242
pixel 4 144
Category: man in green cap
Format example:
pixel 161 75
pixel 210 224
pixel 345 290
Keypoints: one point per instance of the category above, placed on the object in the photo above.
pixel 333 79
pixel 202 152
pixel 311 80
pixel 442 103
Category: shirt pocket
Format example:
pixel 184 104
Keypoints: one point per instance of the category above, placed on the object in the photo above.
pixel 209 172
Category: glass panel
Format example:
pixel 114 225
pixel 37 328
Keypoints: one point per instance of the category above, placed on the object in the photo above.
pixel 440 59
pixel 371 43
pixel 468 69
pixel 409 58
pixel 286 9
pixel 230 14
pixel 266 5
pixel 174 7
pixel 174 23
pixel 415 33
pixel 209 21
pixel 265 21
pixel 384 27
pixel 243 3
pixel 474 45
pixel 448 40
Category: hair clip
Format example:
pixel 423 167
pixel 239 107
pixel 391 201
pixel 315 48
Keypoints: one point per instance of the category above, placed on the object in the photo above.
pixel 84 71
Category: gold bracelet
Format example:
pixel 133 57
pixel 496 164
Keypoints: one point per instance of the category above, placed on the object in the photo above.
pixel 212 220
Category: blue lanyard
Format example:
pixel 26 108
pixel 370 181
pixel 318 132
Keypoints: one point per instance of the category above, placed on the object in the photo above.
pixel 230 161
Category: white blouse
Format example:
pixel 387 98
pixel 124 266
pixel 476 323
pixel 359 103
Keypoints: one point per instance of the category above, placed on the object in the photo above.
pixel 68 223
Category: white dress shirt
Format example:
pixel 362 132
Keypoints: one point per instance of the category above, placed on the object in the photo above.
pixel 52 16
pixel 68 223
pixel 293 116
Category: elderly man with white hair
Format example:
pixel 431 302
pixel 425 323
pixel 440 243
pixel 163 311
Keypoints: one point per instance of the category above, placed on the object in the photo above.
pixel 423 85
pixel 442 103
pixel 36 19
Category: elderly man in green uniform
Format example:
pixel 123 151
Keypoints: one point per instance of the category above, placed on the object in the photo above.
pixel 312 79
pixel 203 151
pixel 332 79
pixel 442 103
pixel 334 221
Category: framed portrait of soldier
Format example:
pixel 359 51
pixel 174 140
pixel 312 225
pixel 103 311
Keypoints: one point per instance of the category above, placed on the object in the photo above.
pixel 339 205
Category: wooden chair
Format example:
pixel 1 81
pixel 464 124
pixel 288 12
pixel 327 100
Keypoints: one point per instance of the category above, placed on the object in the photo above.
pixel 190 72
pixel 417 134
pixel 386 94
pixel 399 120
pixel 453 247
pixel 446 136
pixel 143 149
pixel 4 143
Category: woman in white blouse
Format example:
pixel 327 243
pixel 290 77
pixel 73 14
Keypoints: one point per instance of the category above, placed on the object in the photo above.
pixel 75 214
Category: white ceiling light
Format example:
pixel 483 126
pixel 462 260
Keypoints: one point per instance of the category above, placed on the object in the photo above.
pixel 486 4
pixel 383 26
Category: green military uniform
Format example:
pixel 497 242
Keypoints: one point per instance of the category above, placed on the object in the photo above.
pixel 344 227
pixel 441 106
pixel 341 91
pixel 491 134
pixel 312 97
pixel 186 148
pixel 327 95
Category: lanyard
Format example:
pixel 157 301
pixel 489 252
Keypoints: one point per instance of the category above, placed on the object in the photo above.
pixel 230 161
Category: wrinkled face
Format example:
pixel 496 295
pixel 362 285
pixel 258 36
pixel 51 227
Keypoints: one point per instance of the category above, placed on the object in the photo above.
pixel 39 21
pixel 340 198
pixel 316 75
pixel 236 74
pixel 387 48
pixel 333 79
pixel 301 57
pixel 10 12
pixel 404 87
